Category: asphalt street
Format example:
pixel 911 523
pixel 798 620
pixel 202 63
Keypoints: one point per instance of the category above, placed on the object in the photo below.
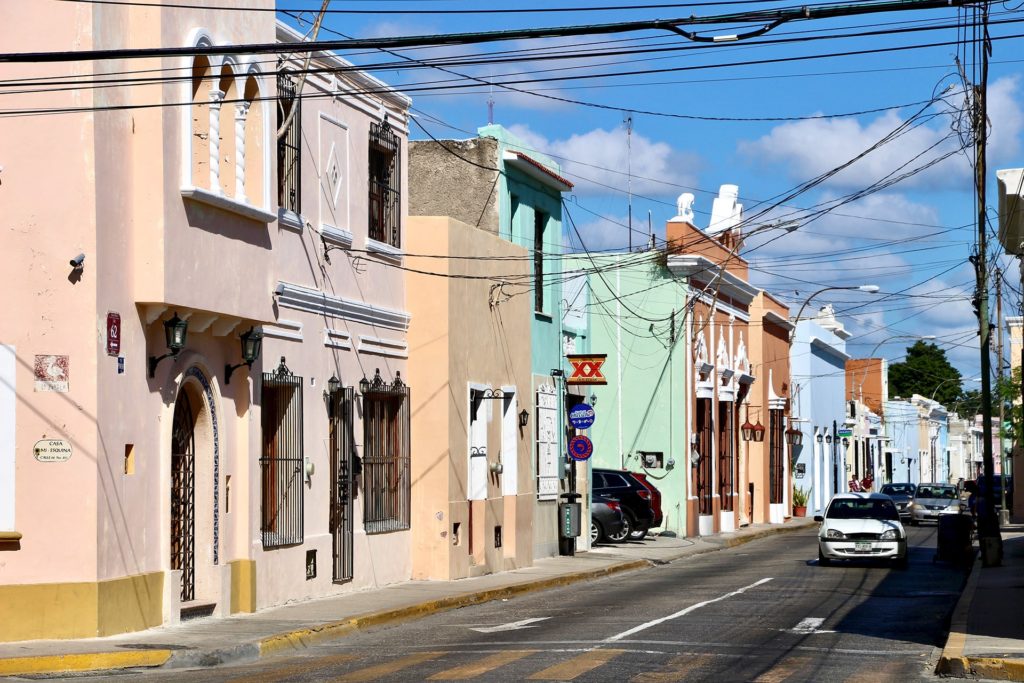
pixel 764 611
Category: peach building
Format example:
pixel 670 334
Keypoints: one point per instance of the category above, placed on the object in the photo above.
pixel 473 476
pixel 153 465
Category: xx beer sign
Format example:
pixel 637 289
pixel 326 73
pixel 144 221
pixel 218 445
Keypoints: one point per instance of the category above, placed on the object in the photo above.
pixel 586 368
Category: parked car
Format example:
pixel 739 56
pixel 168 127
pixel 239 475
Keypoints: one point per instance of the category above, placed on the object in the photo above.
pixel 605 519
pixel 902 495
pixel 997 490
pixel 635 498
pixel 933 500
pixel 655 501
pixel 861 526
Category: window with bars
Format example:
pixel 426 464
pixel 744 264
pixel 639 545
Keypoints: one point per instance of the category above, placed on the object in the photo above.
pixel 281 461
pixel 540 221
pixel 726 451
pixel 386 482
pixel 289 147
pixel 705 434
pixel 385 203
pixel 776 439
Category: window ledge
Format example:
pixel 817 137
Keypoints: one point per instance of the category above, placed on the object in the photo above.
pixel 290 219
pixel 541 315
pixel 228 204
pixel 336 237
pixel 10 536
pixel 384 250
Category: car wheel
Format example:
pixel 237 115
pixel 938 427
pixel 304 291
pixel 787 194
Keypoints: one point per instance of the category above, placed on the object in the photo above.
pixel 637 534
pixel 596 532
pixel 822 560
pixel 627 528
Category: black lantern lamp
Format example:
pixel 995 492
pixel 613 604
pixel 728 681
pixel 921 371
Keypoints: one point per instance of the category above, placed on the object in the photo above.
pixel 252 344
pixel 175 334
pixel 333 385
pixel 794 436
pixel 846 442
pixel 828 439
pixel 758 432
pixel 524 417
pixel 820 437
pixel 378 386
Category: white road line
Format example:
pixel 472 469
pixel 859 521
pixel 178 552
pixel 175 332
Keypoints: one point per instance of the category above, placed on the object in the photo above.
pixel 511 626
pixel 807 626
pixel 683 612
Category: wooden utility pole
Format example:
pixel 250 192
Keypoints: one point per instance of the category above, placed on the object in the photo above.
pixel 1004 514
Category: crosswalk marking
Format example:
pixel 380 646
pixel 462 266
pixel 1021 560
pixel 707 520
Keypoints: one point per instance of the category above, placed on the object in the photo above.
pixel 374 673
pixel 891 671
pixel 577 666
pixel 783 670
pixel 485 665
pixel 272 675
pixel 676 670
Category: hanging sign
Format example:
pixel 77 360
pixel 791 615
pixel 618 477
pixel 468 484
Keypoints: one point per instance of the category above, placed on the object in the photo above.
pixel 586 368
pixel 581 416
pixel 580 448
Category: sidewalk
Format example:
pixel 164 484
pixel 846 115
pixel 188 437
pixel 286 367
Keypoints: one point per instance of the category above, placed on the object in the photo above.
pixel 210 642
pixel 986 635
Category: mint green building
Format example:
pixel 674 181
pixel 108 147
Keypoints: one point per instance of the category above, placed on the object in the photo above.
pixel 641 414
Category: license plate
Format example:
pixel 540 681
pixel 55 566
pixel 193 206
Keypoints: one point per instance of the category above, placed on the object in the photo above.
pixel 862 546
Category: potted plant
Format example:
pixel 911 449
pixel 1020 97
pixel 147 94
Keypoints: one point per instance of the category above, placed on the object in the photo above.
pixel 800 501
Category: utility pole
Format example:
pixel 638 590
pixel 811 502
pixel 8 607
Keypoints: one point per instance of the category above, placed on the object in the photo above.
pixel 1004 514
pixel 989 536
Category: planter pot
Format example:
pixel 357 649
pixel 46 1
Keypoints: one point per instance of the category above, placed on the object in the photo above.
pixel 799 510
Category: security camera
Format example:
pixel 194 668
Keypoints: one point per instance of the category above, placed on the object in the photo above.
pixel 279 290
pixel 78 262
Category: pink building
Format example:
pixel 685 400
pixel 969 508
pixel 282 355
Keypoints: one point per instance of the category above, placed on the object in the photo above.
pixel 148 472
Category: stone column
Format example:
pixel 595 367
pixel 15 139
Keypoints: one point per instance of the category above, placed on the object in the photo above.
pixel 216 100
pixel 241 112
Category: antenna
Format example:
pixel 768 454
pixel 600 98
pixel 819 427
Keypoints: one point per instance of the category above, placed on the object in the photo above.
pixel 490 106
pixel 628 120
pixel 650 232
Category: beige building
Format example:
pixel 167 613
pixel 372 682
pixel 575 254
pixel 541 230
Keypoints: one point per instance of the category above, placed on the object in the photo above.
pixel 153 465
pixel 473 478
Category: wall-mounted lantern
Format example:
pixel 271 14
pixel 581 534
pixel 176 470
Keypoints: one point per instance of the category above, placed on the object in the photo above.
pixel 794 436
pixel 252 345
pixel 524 417
pixel 175 334
pixel 828 439
pixel 747 431
pixel 820 437
pixel 846 442
pixel 758 432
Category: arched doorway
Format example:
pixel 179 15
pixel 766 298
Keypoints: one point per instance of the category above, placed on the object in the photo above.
pixel 183 495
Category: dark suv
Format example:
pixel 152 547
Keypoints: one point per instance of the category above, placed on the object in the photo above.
pixel 637 513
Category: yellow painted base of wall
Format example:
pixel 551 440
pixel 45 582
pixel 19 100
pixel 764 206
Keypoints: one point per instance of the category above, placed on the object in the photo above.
pixel 243 586
pixel 81 610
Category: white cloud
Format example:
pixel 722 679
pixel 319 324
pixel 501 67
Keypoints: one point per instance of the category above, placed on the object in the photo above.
pixel 806 149
pixel 598 160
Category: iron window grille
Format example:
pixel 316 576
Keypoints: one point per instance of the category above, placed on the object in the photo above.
pixel 539 223
pixel 776 439
pixel 281 462
pixel 385 188
pixel 386 448
pixel 340 403
pixel 705 433
pixel 289 147
pixel 726 451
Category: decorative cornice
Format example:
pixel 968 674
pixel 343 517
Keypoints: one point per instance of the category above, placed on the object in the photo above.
pixel 290 219
pixel 735 287
pixel 393 348
pixel 778 320
pixel 220 201
pixel 335 237
pixel 314 301
pixel 284 329
pixel 385 251
pixel 820 343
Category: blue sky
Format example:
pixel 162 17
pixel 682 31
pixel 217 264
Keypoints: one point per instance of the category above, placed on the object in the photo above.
pixel 911 238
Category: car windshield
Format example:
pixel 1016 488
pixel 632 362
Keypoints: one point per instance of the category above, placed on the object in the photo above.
pixel 942 492
pixel 898 489
pixel 862 509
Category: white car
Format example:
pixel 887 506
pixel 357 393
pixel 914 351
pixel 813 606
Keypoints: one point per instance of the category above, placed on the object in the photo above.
pixel 861 526
pixel 933 500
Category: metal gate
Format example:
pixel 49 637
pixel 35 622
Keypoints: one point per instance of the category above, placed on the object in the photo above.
pixel 342 443
pixel 183 497
pixel 705 435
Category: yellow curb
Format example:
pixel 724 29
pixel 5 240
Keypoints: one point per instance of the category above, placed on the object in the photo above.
pixel 952 661
pixel 995 669
pixel 304 637
pixel 762 533
pixel 13 666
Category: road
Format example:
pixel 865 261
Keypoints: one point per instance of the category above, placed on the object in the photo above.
pixel 764 611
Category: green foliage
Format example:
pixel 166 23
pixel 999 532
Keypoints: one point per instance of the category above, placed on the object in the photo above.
pixel 1008 390
pixel 800 496
pixel 925 371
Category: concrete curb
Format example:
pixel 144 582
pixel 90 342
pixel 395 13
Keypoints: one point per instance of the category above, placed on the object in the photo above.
pixel 93 661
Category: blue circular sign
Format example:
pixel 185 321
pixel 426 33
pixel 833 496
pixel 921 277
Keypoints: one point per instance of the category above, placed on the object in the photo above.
pixel 580 448
pixel 581 416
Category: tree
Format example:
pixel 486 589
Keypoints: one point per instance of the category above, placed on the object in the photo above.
pixel 926 371
pixel 1008 391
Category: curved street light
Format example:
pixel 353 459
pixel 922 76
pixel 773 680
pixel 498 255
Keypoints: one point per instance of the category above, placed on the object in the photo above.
pixel 928 337
pixel 952 379
pixel 871 289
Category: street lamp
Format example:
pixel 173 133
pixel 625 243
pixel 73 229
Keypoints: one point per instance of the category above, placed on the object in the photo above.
pixel 900 336
pixel 871 289
pixel 952 379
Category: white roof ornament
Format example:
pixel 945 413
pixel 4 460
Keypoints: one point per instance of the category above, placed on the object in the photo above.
pixel 722 355
pixel 700 352
pixel 742 365
pixel 726 212
pixel 684 209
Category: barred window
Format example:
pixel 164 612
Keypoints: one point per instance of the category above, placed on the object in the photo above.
pixel 385 185
pixel 281 461
pixel 776 439
pixel 289 153
pixel 386 483
pixel 540 221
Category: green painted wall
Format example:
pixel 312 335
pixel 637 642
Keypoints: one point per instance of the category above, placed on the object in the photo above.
pixel 643 407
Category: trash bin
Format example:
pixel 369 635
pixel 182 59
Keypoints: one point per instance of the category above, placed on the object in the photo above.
pixel 954 539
